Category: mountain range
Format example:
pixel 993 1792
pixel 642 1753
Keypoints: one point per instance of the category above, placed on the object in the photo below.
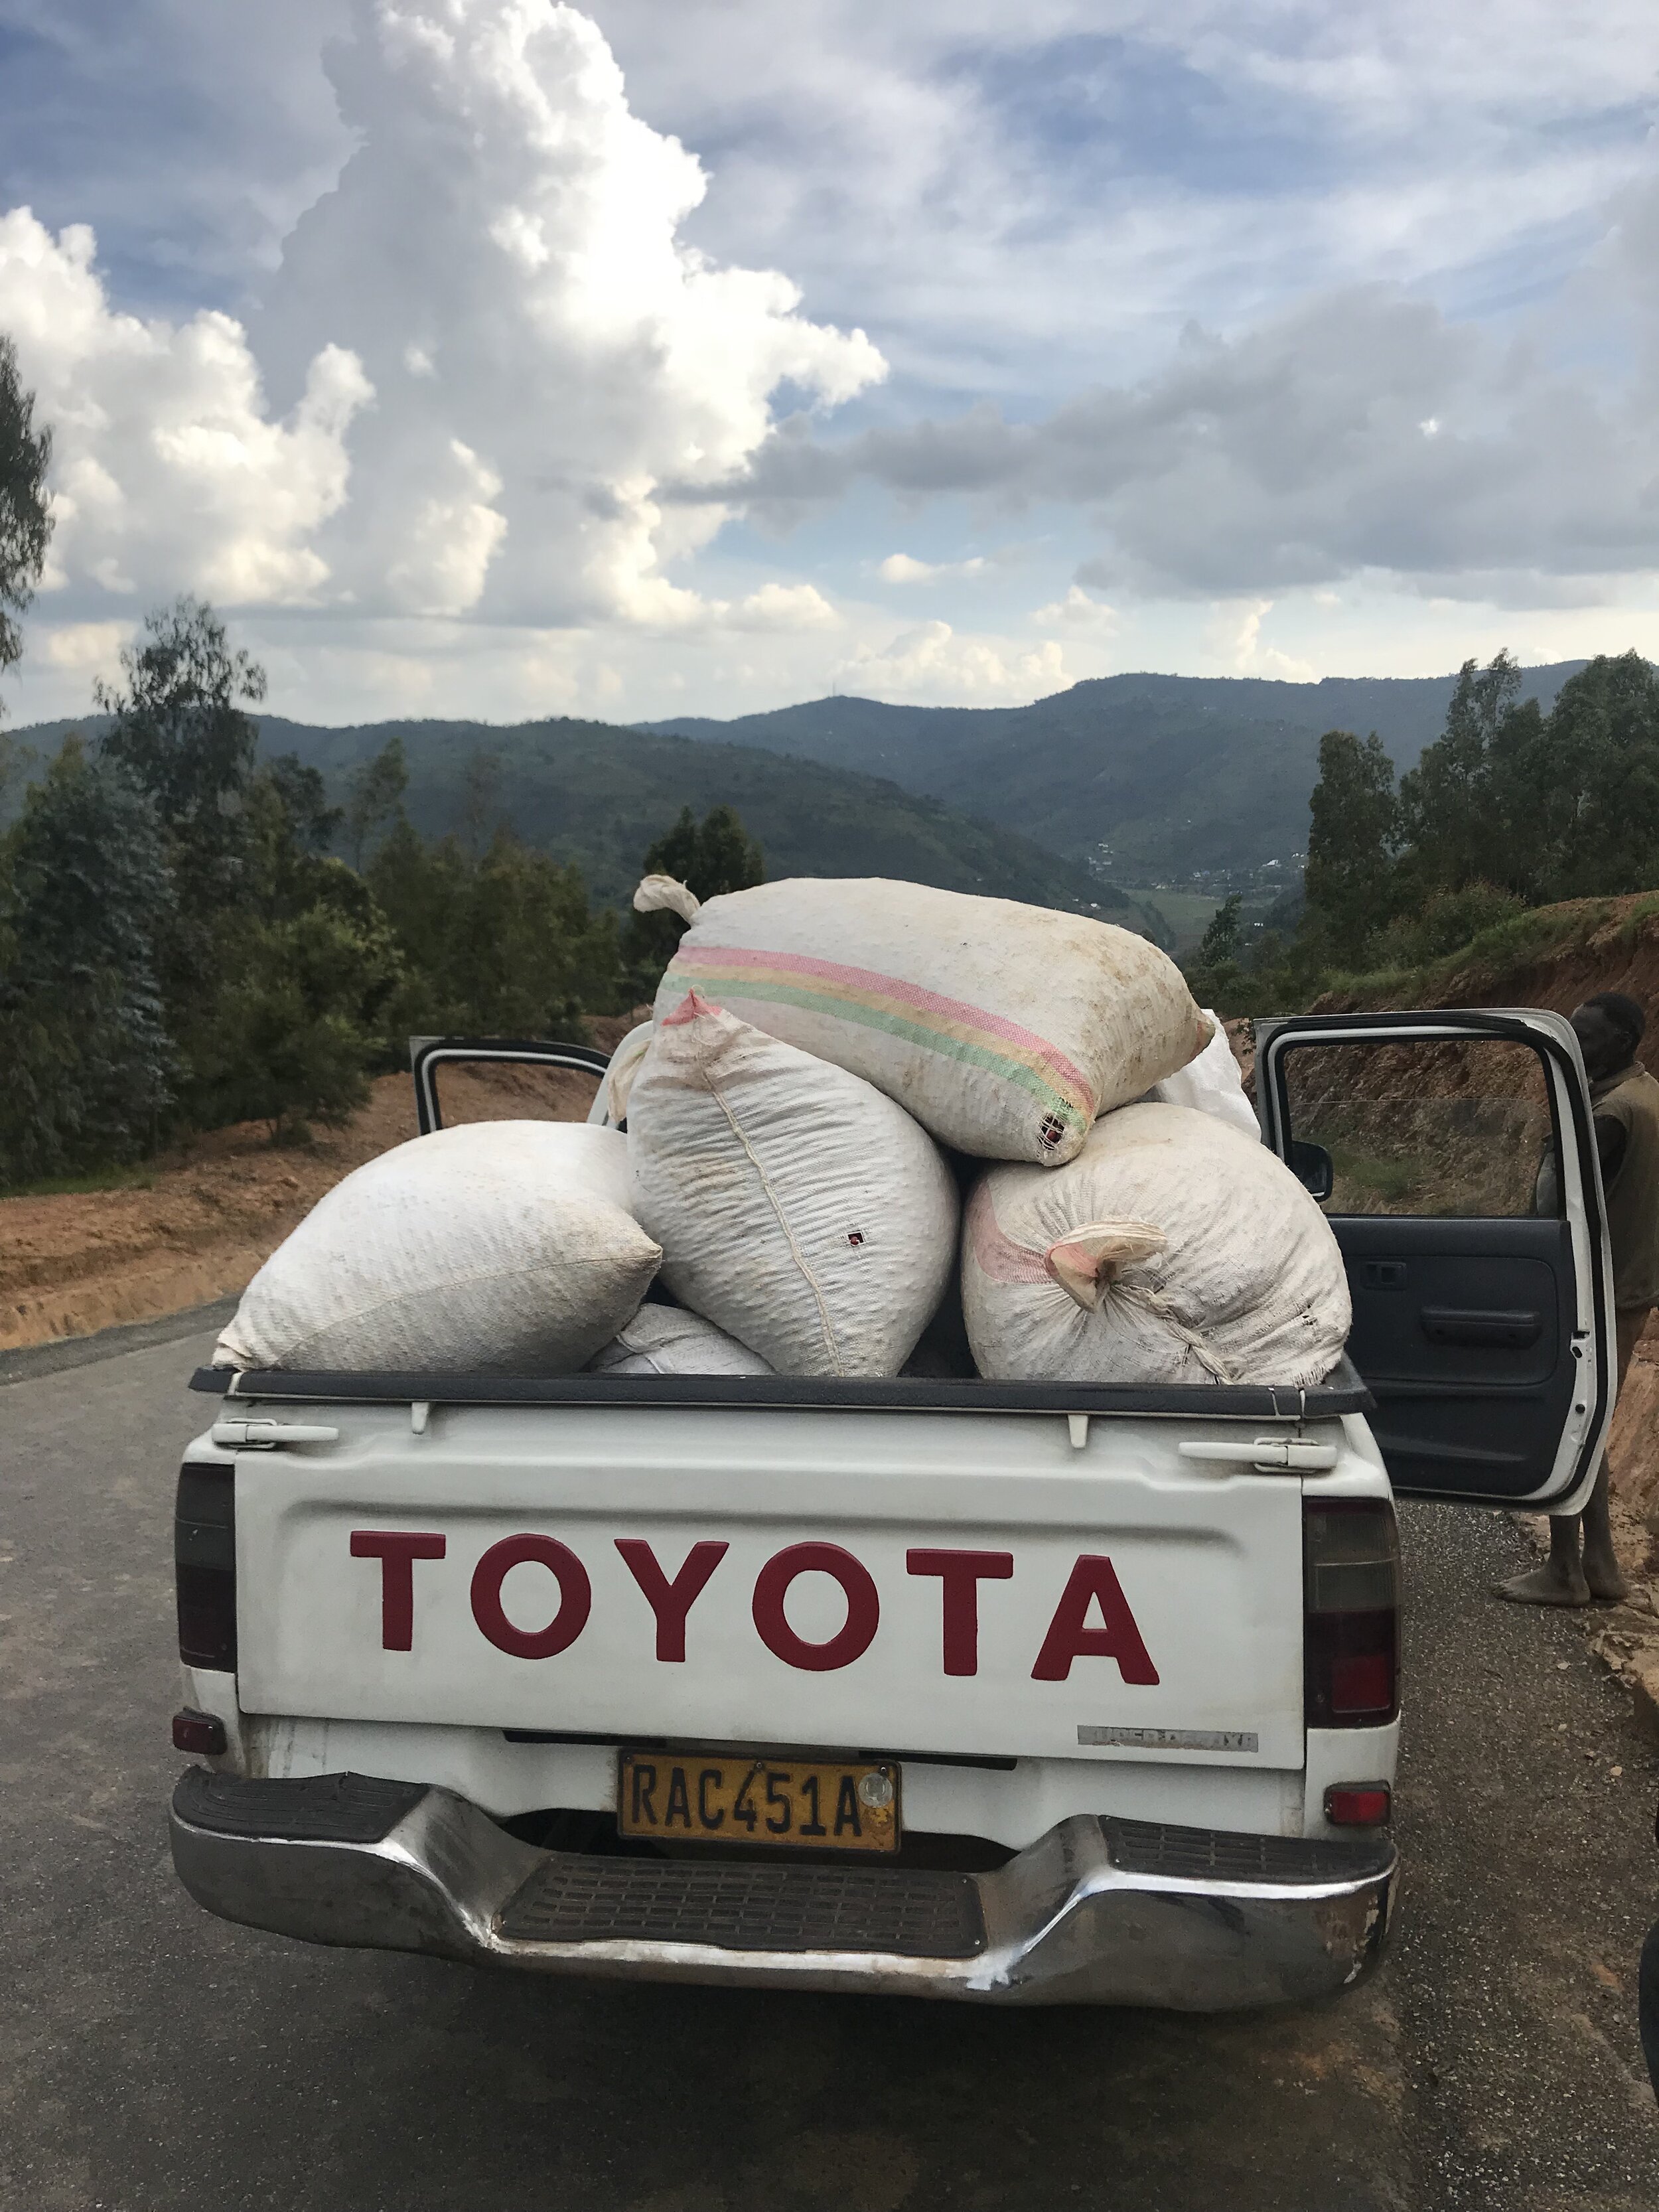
pixel 1151 779
pixel 1143 781
pixel 600 795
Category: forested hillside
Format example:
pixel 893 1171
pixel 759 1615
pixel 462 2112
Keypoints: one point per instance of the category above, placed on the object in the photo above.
pixel 1153 777
pixel 1508 811
pixel 595 795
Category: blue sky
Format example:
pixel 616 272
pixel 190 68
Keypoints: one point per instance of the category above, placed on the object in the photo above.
pixel 495 358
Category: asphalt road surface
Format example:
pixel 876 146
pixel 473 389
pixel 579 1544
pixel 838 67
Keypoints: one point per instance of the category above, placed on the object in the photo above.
pixel 151 2056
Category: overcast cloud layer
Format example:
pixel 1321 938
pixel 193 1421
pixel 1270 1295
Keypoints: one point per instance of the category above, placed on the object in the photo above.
pixel 492 357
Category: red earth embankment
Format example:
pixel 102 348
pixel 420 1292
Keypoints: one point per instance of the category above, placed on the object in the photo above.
pixel 195 1223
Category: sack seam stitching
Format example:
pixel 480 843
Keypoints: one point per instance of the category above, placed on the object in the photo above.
pixel 718 1096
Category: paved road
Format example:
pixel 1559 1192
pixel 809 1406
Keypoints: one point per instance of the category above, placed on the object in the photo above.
pixel 150 2057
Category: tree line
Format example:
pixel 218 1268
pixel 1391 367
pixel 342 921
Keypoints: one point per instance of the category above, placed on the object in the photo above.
pixel 191 936
pixel 1509 809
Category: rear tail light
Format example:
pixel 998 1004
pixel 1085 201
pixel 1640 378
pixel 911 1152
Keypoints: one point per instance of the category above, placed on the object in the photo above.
pixel 203 1734
pixel 205 1566
pixel 1357 1804
pixel 1350 1583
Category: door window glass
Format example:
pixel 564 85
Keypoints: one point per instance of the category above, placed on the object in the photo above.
pixel 506 1091
pixel 1452 1128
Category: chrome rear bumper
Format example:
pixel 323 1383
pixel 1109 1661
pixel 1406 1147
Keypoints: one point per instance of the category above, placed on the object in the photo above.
pixel 1096 1912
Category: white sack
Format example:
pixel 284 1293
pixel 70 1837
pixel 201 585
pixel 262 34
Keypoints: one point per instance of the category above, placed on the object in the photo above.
pixel 800 1210
pixel 609 1106
pixel 1004 1029
pixel 1174 1248
pixel 507 1245
pixel 667 1340
pixel 1211 1084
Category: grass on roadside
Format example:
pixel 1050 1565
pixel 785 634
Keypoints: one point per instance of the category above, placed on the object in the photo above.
pixel 141 1177
pixel 1513 943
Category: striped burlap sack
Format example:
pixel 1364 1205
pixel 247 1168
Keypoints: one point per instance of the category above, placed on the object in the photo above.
pixel 1004 1029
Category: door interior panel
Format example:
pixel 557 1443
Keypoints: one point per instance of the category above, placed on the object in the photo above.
pixel 1461 1334
pixel 1471 1273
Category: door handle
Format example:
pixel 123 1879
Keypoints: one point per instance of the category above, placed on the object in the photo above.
pixel 1465 1325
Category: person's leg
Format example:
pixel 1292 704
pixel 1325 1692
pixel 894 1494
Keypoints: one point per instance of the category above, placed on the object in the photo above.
pixel 1565 1578
pixel 1601 1569
pixel 1560 1580
pixel 1602 1575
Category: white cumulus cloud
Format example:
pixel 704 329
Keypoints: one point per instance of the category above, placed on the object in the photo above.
pixel 1233 637
pixel 87 648
pixel 484 351
pixel 169 469
pixel 933 661
pixel 904 569
pixel 782 607
pixel 503 253
pixel 1077 611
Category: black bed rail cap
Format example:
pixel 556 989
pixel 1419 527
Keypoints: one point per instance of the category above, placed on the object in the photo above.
pixel 1341 1392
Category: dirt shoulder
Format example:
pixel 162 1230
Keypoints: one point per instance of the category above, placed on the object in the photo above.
pixel 204 1220
pixel 207 1216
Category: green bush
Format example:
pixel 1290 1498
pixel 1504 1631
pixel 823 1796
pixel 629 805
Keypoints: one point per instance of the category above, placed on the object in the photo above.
pixel 296 1022
pixel 1447 922
pixel 503 946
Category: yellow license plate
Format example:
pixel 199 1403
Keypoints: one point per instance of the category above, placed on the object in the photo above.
pixel 821 1805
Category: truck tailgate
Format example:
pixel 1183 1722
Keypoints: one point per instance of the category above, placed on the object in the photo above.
pixel 965 1582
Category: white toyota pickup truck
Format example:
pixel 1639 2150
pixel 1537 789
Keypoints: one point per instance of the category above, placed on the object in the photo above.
pixel 1024 1693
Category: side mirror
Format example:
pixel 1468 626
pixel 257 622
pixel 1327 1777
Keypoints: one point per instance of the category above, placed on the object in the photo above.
pixel 1311 1166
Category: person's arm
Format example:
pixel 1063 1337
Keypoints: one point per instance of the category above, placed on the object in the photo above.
pixel 1610 1139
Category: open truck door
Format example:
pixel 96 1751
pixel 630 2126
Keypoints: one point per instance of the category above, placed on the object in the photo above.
pixel 460 1079
pixel 1453 1156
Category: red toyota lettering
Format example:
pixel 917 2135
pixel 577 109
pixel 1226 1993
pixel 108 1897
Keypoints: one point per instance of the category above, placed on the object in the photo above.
pixel 960 1574
pixel 851 1641
pixel 1093 1581
pixel 670 1602
pixel 397 1550
pixel 575 1597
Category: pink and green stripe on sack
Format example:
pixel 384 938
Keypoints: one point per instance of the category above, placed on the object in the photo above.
pixel 950 1027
